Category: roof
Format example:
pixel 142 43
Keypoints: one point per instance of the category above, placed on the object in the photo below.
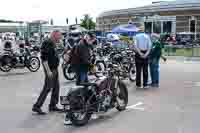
pixel 177 5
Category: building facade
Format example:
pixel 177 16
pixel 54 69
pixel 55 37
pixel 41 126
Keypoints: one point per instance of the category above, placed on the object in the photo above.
pixel 159 17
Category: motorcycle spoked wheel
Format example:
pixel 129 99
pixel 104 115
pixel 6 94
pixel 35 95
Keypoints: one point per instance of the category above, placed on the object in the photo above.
pixel 7 65
pixel 79 118
pixel 132 73
pixel 99 69
pixel 122 96
pixel 68 72
pixel 5 68
pixel 34 64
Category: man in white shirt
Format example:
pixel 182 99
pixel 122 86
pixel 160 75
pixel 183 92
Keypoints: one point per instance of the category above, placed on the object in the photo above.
pixel 143 48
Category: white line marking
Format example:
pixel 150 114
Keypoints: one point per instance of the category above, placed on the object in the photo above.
pixel 135 105
pixel 142 109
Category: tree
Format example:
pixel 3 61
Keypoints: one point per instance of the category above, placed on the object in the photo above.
pixel 87 22
pixel 6 21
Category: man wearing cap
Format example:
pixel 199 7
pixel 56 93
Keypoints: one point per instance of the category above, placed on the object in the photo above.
pixel 50 62
pixel 143 48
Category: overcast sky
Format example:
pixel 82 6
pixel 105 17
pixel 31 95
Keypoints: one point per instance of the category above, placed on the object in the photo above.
pixel 59 10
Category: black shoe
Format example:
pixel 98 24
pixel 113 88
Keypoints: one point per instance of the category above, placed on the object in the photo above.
pixel 38 111
pixel 138 87
pixel 155 86
pixel 55 109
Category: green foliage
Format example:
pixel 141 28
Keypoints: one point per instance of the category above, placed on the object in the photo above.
pixel 87 22
pixel 6 21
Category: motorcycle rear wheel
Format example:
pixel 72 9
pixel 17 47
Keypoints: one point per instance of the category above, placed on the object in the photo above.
pixel 32 67
pixel 68 72
pixel 80 118
pixel 6 63
pixel 5 68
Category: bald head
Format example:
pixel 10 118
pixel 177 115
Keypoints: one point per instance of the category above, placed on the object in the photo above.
pixel 56 36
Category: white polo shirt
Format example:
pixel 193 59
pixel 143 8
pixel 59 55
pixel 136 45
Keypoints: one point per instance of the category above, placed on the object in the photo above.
pixel 143 41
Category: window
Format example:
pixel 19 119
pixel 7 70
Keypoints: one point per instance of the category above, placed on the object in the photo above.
pixel 167 27
pixel 157 27
pixel 148 27
pixel 192 25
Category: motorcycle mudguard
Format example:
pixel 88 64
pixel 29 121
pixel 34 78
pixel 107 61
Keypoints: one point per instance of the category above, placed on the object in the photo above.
pixel 75 91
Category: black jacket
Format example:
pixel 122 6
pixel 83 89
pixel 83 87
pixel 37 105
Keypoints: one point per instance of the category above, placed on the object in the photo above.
pixel 49 54
pixel 80 54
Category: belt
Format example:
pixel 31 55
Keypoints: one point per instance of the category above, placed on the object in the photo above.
pixel 143 49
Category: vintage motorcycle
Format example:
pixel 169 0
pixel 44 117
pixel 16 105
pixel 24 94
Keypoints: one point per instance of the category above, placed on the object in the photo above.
pixel 97 68
pixel 26 58
pixel 105 93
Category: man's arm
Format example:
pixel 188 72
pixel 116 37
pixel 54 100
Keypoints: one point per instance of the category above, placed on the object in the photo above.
pixel 149 48
pixel 44 57
pixel 136 48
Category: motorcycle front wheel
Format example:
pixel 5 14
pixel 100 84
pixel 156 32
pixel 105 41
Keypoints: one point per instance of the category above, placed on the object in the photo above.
pixel 100 69
pixel 122 96
pixel 132 73
pixel 68 73
pixel 34 64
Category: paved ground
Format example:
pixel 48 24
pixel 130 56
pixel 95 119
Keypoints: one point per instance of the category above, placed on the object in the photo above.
pixel 173 108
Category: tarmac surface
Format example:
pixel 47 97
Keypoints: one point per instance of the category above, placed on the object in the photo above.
pixel 172 108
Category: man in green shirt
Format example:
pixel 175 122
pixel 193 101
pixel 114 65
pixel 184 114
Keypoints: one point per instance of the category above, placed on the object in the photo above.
pixel 156 54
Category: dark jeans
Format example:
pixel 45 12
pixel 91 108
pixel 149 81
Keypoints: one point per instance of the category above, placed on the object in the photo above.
pixel 141 65
pixel 154 70
pixel 49 83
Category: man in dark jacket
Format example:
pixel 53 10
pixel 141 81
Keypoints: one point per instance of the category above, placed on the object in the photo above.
pixel 50 62
pixel 80 59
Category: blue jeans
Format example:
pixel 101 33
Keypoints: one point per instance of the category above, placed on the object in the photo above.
pixel 155 72
pixel 81 73
pixel 83 76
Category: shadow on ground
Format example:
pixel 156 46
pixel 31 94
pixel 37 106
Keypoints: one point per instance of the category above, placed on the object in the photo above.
pixel 9 74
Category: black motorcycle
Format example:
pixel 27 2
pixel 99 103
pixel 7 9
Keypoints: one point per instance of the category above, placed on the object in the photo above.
pixel 125 59
pixel 97 68
pixel 89 98
pixel 26 58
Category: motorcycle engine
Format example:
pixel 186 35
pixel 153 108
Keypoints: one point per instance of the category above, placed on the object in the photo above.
pixel 106 102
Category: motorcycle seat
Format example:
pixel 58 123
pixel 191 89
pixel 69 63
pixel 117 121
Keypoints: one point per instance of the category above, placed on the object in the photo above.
pixel 77 87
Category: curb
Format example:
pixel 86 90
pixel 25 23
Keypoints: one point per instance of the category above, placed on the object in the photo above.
pixel 179 58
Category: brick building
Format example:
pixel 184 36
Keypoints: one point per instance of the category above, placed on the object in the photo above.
pixel 159 17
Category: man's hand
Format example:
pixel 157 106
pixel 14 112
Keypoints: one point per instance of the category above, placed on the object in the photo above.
pixel 49 74
pixel 46 66
pixel 144 56
pixel 141 54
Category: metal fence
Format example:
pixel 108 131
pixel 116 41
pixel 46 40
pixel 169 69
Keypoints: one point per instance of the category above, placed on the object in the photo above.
pixel 186 51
